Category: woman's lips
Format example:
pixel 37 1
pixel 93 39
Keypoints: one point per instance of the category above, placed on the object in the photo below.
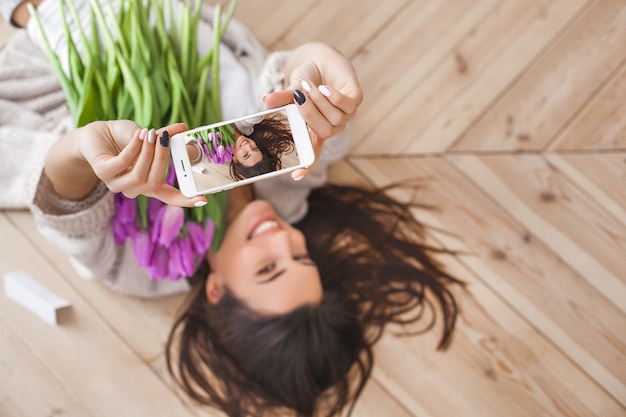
pixel 241 141
pixel 263 227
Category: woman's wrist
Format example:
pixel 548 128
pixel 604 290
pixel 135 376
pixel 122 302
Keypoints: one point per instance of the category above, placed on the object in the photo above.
pixel 69 173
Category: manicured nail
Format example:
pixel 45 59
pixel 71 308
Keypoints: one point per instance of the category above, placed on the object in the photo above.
pixel 299 96
pixel 164 138
pixel 264 97
pixel 298 177
pixel 143 133
pixel 151 136
pixel 306 86
pixel 200 203
pixel 324 90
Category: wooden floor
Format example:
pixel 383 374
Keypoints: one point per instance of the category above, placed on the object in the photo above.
pixel 513 114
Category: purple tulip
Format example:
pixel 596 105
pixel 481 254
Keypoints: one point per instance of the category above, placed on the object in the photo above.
pixel 159 263
pixel 211 137
pixel 220 151
pixel 182 257
pixel 119 231
pixel 173 272
pixel 122 231
pixel 209 231
pixel 125 208
pixel 197 236
pixel 167 225
pixel 230 149
pixel 204 147
pixel 143 248
pixel 154 207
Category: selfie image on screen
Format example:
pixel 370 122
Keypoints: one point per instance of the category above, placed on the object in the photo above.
pixel 241 150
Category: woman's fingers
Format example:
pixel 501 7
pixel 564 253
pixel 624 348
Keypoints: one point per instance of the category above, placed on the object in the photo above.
pixel 278 98
pixel 348 99
pixel 109 163
pixel 321 116
pixel 172 196
pixel 142 171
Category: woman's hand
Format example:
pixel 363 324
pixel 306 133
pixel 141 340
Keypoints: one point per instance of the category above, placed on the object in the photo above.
pixel 121 154
pixel 328 83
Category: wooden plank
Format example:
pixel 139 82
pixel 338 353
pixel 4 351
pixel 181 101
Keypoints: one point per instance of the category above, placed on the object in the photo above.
pixel 346 25
pixel 542 102
pixel 498 365
pixel 85 345
pixel 601 175
pixel 29 387
pixel 395 63
pixel 562 216
pixel 511 264
pixel 601 126
pixel 430 116
pixel 270 20
pixel 344 173
pixel 376 402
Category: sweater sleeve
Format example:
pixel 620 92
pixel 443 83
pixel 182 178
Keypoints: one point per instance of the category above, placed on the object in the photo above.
pixel 7 7
pixel 33 115
pixel 82 230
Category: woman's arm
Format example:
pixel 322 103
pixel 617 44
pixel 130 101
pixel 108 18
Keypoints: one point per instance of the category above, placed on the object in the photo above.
pixel 121 154
pixel 69 173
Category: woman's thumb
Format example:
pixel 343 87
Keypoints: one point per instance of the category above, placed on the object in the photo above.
pixel 278 98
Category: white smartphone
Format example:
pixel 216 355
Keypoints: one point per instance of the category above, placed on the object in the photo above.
pixel 240 151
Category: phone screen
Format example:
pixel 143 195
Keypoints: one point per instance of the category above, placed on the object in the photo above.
pixel 240 150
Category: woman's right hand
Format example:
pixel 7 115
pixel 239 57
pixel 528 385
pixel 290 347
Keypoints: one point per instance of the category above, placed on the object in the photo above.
pixel 120 154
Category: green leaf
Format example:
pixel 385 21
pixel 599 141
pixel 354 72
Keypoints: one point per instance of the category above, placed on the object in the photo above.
pixel 142 211
pixel 89 106
pixel 70 91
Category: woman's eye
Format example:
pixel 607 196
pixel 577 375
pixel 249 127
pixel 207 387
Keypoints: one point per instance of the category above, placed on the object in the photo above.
pixel 304 257
pixel 266 269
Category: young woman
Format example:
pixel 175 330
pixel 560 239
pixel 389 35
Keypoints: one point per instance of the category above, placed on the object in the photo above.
pixel 284 314
pixel 261 148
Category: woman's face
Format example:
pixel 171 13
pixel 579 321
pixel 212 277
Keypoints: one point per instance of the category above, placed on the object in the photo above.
pixel 264 262
pixel 246 152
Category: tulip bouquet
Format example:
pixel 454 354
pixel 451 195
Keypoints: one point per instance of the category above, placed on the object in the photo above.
pixel 218 143
pixel 141 62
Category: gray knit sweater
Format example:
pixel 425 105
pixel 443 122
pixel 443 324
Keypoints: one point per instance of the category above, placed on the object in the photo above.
pixel 33 115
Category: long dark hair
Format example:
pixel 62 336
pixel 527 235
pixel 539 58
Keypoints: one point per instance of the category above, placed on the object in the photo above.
pixel 273 138
pixel 315 360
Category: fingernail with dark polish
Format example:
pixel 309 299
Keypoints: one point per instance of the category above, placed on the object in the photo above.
pixel 299 96
pixel 165 139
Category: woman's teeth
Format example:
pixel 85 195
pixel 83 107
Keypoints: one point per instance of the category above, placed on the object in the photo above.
pixel 263 227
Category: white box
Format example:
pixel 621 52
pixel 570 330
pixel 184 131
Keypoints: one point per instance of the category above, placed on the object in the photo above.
pixel 22 288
